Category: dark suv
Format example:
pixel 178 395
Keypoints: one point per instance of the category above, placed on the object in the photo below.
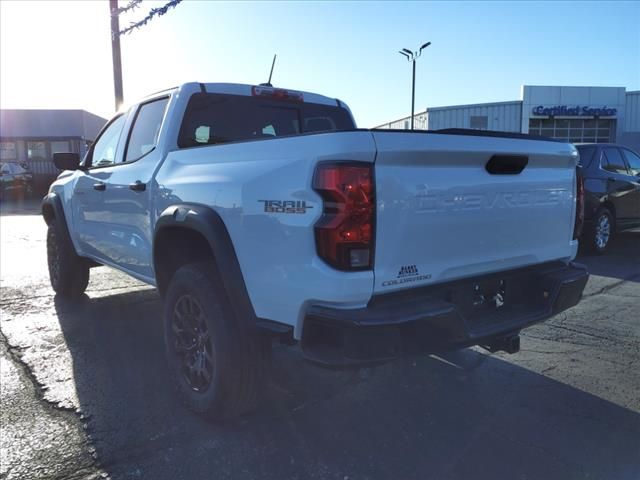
pixel 16 180
pixel 611 176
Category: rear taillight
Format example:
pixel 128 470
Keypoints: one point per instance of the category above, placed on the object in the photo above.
pixel 345 232
pixel 577 229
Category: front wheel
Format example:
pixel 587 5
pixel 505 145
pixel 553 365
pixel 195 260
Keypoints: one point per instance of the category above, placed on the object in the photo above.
pixel 68 273
pixel 217 361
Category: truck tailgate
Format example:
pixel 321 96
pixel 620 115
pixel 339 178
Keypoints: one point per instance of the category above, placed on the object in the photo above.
pixel 442 215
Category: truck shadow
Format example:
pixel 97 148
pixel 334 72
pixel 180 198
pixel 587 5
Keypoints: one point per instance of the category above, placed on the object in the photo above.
pixel 622 261
pixel 464 415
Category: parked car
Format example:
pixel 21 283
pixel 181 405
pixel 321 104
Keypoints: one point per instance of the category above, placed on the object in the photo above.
pixel 16 181
pixel 611 175
pixel 260 212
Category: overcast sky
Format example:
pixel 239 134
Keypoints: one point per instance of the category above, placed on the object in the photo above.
pixel 58 54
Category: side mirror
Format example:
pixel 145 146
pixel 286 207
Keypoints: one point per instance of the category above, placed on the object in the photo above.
pixel 66 161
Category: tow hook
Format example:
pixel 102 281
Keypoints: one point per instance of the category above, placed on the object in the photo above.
pixel 508 344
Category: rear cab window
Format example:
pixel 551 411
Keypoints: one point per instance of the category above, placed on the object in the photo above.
pixel 212 119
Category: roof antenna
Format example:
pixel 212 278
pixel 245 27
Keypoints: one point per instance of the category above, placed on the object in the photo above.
pixel 268 84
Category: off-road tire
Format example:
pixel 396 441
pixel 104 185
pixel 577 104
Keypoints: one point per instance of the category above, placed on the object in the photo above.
pixel 236 357
pixel 68 273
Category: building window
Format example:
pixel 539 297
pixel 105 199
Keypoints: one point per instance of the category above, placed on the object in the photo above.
pixel 37 150
pixel 60 147
pixel 8 151
pixel 478 122
pixel 406 124
pixel 573 130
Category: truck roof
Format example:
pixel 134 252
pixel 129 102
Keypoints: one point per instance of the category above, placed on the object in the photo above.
pixel 247 90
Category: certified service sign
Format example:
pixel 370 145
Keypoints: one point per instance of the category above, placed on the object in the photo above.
pixel 576 111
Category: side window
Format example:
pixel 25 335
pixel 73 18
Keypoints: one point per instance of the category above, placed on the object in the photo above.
pixel 586 155
pixel 633 160
pixel 5 169
pixel 104 150
pixel 614 162
pixel 146 126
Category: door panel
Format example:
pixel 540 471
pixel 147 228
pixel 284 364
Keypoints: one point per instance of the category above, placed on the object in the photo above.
pixel 128 230
pixel 90 211
pixel 113 197
pixel 621 190
pixel 633 164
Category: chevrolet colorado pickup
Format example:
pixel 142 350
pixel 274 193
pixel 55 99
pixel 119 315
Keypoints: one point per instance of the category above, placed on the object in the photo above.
pixel 260 212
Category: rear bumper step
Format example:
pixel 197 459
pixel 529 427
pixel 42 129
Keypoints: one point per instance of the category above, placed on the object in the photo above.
pixel 489 310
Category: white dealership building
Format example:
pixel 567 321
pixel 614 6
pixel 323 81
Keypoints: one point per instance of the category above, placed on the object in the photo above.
pixel 574 114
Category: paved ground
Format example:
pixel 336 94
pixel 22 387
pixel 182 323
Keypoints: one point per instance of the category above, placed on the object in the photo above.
pixel 84 393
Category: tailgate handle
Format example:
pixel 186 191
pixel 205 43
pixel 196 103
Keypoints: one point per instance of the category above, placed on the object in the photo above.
pixel 506 164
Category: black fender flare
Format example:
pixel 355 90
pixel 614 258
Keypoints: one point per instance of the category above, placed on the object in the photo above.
pixel 51 208
pixel 207 222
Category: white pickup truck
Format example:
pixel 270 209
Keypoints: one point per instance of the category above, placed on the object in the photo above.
pixel 260 212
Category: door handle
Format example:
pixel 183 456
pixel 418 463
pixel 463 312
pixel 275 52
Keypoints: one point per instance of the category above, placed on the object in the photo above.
pixel 138 186
pixel 99 186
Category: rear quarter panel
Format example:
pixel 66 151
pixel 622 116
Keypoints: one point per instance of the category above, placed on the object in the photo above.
pixel 276 251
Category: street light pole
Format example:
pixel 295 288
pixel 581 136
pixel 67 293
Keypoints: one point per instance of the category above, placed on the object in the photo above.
pixel 413 92
pixel 412 57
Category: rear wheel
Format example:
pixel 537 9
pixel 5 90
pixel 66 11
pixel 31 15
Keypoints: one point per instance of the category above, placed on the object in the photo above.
pixel 602 231
pixel 68 273
pixel 217 361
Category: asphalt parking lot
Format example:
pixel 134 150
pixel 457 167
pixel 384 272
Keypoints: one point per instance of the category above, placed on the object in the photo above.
pixel 84 392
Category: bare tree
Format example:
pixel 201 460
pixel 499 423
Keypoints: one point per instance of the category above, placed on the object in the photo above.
pixel 116 33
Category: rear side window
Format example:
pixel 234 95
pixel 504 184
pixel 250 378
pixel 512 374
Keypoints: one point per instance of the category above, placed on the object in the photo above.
pixel 586 155
pixel 212 118
pixel 633 161
pixel 146 126
pixel 612 161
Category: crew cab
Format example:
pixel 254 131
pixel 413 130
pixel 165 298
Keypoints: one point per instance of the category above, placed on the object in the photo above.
pixel 260 212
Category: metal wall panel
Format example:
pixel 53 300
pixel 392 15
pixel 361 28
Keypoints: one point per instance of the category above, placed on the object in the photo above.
pixel 503 116
pixel 632 112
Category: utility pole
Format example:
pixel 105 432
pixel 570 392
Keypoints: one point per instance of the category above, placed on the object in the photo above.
pixel 412 57
pixel 115 53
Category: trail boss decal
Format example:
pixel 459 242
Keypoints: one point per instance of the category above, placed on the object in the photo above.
pixel 285 206
pixel 407 273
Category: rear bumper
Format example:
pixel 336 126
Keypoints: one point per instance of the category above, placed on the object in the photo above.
pixel 474 311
